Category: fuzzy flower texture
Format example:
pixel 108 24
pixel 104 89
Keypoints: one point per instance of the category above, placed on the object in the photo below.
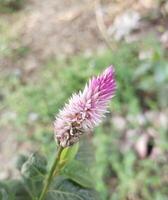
pixel 86 109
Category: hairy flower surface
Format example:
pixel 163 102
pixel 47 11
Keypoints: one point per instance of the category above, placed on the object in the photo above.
pixel 86 109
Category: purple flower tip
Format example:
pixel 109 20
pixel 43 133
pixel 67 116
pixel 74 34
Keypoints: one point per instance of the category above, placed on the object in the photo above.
pixel 86 109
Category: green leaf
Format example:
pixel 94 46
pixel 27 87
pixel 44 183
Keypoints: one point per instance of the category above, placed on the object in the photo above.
pixel 21 159
pixel 18 189
pixel 33 173
pixel 76 180
pixel 86 152
pixel 64 189
pixel 147 84
pixel 69 153
pixel 34 167
pixel 4 192
pixel 79 169
pixel 79 173
pixel 142 70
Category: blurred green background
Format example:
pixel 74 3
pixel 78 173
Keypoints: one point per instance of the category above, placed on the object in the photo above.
pixel 48 50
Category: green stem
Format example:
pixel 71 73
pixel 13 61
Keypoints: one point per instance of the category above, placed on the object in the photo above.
pixel 51 174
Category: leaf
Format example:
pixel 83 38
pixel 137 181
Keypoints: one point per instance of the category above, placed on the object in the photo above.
pixel 29 186
pixel 147 84
pixel 76 180
pixel 86 152
pixel 163 96
pixel 33 173
pixel 142 70
pixel 79 170
pixel 161 73
pixel 69 153
pixel 79 173
pixel 34 167
pixel 20 161
pixel 64 189
pixel 18 189
pixel 5 192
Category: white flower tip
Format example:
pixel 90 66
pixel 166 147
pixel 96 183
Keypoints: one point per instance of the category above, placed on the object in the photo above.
pixel 109 70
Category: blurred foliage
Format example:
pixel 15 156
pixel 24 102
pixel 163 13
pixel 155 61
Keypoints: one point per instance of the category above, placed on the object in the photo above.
pixel 58 79
pixel 122 176
pixel 10 45
pixel 10 5
pixel 140 83
pixel 4 39
pixel 152 74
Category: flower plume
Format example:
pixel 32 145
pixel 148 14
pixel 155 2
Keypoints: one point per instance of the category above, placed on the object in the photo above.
pixel 85 109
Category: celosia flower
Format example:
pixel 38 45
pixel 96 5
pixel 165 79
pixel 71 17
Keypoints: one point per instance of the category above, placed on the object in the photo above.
pixel 86 109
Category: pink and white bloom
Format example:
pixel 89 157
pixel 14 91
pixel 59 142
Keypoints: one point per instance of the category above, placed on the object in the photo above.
pixel 85 109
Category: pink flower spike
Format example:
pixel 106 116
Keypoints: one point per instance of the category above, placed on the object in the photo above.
pixel 86 109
